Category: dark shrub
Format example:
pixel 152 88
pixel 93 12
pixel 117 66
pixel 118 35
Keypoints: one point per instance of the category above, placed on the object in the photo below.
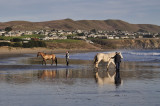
pixel 8 29
pixel 17 44
pixel 16 40
pixel 31 44
pixel 2 39
pixel 5 44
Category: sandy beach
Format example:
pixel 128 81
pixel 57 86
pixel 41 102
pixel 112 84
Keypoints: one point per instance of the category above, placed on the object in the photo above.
pixel 25 82
pixel 6 52
pixel 12 50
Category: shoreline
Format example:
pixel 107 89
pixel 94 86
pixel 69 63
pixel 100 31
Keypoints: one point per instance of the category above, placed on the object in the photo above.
pixel 7 52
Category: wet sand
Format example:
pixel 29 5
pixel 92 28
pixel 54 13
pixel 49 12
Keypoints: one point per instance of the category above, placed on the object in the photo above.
pixel 23 83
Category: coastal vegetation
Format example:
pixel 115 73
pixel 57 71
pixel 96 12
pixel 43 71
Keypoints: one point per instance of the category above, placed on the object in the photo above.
pixel 97 43
pixel 21 41
pixel 21 37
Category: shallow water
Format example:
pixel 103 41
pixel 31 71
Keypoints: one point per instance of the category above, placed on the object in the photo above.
pixel 23 83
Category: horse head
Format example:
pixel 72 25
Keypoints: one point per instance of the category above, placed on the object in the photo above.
pixel 38 54
pixel 121 55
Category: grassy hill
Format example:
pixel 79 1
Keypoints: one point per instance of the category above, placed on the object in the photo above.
pixel 69 24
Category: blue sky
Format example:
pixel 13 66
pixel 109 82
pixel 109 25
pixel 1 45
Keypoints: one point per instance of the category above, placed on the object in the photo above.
pixel 132 11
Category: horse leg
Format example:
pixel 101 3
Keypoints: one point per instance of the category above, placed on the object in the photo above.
pixel 108 75
pixel 55 60
pixel 42 62
pixel 96 65
pixel 108 65
pixel 114 63
pixel 52 61
pixel 45 62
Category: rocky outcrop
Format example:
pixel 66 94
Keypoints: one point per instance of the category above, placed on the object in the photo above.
pixel 132 44
pixel 142 44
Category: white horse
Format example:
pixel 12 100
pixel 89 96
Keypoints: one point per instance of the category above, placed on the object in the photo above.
pixel 108 57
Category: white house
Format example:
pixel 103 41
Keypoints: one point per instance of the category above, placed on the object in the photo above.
pixel 2 33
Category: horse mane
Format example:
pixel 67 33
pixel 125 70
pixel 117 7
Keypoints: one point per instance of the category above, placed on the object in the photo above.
pixel 95 59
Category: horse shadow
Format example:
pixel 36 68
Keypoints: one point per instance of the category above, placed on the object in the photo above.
pixel 108 79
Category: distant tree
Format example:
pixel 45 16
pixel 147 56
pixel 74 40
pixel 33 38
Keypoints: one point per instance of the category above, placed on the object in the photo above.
pixel 81 34
pixel 142 30
pixel 17 44
pixel 53 30
pixel 5 44
pixel 8 29
pixel 16 40
pixel 93 30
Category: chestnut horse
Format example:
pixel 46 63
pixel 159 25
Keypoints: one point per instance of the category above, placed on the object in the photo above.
pixel 47 57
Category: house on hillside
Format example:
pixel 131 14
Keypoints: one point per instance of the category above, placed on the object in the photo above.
pixel 12 33
pixel 124 37
pixel 116 37
pixel 2 33
pixel 80 37
pixel 110 37
pixel 28 33
pixel 89 41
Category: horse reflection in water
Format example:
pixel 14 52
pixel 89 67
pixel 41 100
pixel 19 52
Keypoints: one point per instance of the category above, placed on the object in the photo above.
pixel 47 74
pixel 109 79
pixel 51 74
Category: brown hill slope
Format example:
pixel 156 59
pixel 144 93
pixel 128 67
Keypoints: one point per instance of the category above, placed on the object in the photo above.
pixel 121 25
pixel 69 24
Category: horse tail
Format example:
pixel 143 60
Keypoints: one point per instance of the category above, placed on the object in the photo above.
pixel 56 61
pixel 95 59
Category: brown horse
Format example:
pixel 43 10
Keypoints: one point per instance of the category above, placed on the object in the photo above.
pixel 47 57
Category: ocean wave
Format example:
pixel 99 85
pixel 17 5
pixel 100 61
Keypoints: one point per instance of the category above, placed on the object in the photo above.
pixel 144 54
pixel 155 60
